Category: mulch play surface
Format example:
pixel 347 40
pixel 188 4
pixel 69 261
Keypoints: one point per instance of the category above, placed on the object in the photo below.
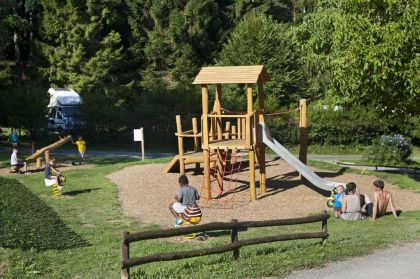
pixel 146 192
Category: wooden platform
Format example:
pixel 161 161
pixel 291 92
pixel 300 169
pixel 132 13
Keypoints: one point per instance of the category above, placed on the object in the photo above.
pixel 228 144
pixel 189 158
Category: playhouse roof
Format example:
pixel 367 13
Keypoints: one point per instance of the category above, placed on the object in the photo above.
pixel 232 74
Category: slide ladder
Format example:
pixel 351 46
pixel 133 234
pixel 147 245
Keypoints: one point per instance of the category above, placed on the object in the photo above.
pixel 295 162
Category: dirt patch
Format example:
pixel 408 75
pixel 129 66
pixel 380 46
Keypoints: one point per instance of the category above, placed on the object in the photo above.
pixel 4 267
pixel 146 192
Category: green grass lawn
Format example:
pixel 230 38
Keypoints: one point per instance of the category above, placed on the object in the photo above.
pixel 78 236
pixel 409 181
pixel 408 164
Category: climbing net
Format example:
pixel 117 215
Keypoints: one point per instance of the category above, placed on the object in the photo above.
pixel 225 182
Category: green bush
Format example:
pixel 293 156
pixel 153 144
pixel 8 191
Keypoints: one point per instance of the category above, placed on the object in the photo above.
pixel 344 126
pixel 389 149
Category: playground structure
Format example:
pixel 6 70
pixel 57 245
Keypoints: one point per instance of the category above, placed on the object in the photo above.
pixel 185 158
pixel 46 151
pixel 224 133
pixel 226 136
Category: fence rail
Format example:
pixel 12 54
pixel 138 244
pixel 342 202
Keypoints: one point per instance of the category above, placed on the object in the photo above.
pixel 234 246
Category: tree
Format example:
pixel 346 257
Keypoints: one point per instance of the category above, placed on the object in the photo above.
pixel 259 40
pixel 365 52
pixel 82 43
pixel 181 37
pixel 281 11
pixel 18 20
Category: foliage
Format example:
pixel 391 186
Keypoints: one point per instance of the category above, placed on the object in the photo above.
pixel 389 149
pixel 25 107
pixel 344 125
pixel 81 44
pixel 259 40
pixel 285 128
pixel 364 52
pixel 126 53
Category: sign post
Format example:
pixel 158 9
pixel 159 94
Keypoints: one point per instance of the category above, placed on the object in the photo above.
pixel 139 136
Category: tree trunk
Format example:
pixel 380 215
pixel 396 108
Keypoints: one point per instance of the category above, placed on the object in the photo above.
pixel 18 67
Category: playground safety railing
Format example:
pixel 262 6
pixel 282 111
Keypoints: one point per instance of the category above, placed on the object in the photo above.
pixel 240 126
pixel 234 226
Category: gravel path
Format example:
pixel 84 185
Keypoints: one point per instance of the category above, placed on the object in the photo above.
pixel 63 168
pixel 396 262
pixel 146 192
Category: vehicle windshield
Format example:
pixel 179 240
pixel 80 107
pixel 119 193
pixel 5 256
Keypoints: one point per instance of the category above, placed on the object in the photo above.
pixel 71 111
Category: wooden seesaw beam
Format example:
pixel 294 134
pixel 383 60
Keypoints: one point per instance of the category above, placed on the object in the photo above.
pixel 50 147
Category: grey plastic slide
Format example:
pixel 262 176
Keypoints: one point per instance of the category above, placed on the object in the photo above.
pixel 295 162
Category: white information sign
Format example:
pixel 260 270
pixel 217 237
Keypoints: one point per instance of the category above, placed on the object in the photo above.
pixel 138 135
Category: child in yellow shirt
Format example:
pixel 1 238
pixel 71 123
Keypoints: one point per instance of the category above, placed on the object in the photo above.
pixel 81 147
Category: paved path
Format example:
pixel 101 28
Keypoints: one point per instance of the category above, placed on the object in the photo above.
pixel 397 262
pixel 136 155
pixel 113 154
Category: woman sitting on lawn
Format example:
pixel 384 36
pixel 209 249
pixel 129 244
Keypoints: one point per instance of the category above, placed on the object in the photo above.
pixel 350 204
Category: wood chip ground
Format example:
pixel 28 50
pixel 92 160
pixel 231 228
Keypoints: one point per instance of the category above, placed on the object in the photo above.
pixel 146 192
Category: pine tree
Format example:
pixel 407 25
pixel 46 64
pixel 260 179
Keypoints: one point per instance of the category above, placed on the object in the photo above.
pixel 81 43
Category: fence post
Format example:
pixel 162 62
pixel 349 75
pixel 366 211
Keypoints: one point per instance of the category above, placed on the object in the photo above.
pixel 125 254
pixel 234 239
pixel 324 228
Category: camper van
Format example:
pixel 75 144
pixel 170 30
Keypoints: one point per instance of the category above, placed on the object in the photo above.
pixel 64 112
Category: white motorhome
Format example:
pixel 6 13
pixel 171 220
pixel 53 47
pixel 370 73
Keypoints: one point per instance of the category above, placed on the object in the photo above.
pixel 64 110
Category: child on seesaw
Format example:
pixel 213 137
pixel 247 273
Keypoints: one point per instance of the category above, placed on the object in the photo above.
pixel 186 197
pixel 51 180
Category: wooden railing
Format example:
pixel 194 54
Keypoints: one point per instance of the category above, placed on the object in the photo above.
pixel 231 126
pixel 234 226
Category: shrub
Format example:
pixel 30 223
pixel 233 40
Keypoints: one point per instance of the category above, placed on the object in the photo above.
pixel 344 126
pixel 389 149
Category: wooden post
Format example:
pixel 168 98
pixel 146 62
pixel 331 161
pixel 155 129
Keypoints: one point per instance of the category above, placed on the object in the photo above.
pixel 196 140
pixel 125 254
pixel 142 144
pixel 234 132
pixel 180 145
pixel 218 110
pixel 260 144
pixel 249 137
pixel 219 164
pixel 303 134
pixel 324 228
pixel 243 130
pixel 252 175
pixel 234 239
pixel 303 131
pixel 205 141
pixel 227 130
pixel 239 125
pixel 248 133
pixel 47 156
pixel 38 163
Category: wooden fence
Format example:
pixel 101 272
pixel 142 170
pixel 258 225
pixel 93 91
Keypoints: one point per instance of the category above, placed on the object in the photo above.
pixel 234 226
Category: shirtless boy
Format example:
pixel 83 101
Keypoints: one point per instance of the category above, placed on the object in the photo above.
pixel 381 200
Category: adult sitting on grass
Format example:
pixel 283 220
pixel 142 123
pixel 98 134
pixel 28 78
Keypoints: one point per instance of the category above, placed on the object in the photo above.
pixel 186 196
pixel 16 165
pixel 381 200
pixel 350 204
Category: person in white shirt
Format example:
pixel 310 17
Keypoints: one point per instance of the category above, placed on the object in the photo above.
pixel 15 163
